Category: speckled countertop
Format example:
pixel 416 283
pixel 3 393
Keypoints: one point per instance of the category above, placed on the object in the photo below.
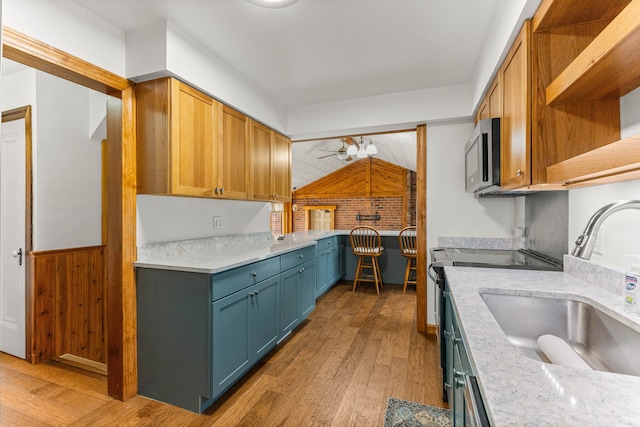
pixel 216 254
pixel 519 391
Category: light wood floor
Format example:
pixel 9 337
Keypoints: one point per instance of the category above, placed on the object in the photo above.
pixel 337 369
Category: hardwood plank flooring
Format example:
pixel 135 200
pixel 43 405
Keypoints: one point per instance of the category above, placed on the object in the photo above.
pixel 339 368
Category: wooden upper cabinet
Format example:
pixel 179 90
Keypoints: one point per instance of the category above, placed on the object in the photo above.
pixel 233 177
pixel 281 167
pixel 261 161
pixel 271 164
pixel 515 159
pixel 494 98
pixel 176 139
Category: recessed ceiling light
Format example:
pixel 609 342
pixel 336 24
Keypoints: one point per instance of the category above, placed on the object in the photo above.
pixel 274 4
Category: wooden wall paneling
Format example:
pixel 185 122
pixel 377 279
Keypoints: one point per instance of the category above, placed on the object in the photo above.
pixel 386 179
pixel 591 124
pixel 421 229
pixel 69 303
pixel 43 308
pixel 349 181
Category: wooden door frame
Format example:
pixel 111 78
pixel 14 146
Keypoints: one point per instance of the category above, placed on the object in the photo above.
pixel 9 116
pixel 121 196
pixel 421 229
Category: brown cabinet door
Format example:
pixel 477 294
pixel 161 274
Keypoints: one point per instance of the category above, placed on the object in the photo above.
pixel 281 168
pixel 515 159
pixel 261 157
pixel 233 151
pixel 193 138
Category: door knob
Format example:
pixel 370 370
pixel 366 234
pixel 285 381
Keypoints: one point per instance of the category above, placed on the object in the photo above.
pixel 17 254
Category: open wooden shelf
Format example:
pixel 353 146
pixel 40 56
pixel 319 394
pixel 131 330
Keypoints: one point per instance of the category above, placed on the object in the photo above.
pixel 562 13
pixel 608 68
pixel 618 161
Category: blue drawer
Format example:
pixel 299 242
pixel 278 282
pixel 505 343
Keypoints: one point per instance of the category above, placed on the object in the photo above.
pixel 230 281
pixel 327 243
pixel 295 258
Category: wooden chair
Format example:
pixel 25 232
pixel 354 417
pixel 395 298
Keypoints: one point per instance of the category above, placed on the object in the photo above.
pixel 407 238
pixel 365 244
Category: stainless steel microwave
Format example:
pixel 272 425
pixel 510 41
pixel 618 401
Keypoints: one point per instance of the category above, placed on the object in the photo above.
pixel 482 157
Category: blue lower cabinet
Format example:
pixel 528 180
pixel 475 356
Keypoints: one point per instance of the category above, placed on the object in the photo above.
pixel 245 328
pixel 330 261
pixel 289 297
pixel 307 288
pixel 231 354
pixel 297 295
pixel 264 317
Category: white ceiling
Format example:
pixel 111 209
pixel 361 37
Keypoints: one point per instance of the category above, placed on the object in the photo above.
pixel 318 51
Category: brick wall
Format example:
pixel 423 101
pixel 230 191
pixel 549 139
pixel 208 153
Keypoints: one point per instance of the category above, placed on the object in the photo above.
pixel 389 209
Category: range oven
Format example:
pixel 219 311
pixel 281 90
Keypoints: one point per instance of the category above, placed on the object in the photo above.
pixel 490 258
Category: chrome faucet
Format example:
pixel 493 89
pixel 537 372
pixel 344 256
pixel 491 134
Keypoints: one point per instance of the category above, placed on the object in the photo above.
pixel 586 241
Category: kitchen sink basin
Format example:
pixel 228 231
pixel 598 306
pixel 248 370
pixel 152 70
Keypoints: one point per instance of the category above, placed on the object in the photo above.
pixel 605 343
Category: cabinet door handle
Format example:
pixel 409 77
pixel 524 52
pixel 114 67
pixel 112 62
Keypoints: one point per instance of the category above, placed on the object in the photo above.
pixel 254 274
pixel 519 172
pixel 301 256
pixel 460 383
pixel 221 190
pixel 447 333
pixel 302 270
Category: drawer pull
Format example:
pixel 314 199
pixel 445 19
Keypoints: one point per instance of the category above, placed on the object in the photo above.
pixel 302 270
pixel 254 274
pixel 301 256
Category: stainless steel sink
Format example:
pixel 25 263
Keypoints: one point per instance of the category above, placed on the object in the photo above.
pixel 605 343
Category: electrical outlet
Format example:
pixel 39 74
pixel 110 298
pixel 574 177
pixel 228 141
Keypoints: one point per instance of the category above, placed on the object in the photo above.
pixel 217 222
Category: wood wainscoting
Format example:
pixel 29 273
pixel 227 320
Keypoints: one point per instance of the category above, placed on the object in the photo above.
pixel 68 304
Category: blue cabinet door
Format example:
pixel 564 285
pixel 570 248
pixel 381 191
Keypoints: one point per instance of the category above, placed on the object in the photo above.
pixel 263 300
pixel 323 280
pixel 231 348
pixel 307 284
pixel 289 301
pixel 334 265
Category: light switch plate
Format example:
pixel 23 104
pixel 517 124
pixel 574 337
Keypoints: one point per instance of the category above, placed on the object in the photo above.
pixel 217 222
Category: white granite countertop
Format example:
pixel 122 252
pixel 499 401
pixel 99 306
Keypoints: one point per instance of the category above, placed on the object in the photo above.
pixel 519 391
pixel 216 254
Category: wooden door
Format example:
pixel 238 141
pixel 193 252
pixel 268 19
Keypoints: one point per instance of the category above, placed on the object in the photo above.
pixel 515 150
pixel 233 172
pixel 281 169
pixel 193 137
pixel 320 220
pixel 261 161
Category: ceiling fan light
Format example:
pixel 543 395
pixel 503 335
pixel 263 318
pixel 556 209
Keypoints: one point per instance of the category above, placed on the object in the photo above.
pixel 352 150
pixel 342 155
pixel 362 153
pixel 371 149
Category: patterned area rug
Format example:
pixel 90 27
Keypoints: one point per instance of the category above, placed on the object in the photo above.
pixel 401 413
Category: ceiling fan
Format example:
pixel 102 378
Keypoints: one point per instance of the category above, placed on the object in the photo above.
pixel 340 152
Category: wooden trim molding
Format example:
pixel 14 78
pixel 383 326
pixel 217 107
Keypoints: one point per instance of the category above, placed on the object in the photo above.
pixel 26 50
pixel 121 182
pixel 421 220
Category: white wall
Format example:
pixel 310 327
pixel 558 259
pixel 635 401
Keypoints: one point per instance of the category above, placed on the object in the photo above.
pixel 67 164
pixel 164 49
pixel 69 27
pixel 620 233
pixel 451 211
pixel 68 184
pixel 165 219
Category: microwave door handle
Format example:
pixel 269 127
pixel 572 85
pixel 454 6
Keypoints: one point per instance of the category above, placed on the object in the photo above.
pixel 485 157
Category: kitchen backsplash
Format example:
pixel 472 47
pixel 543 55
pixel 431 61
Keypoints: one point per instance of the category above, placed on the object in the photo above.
pixel 507 243
pixel 547 222
pixel 607 278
